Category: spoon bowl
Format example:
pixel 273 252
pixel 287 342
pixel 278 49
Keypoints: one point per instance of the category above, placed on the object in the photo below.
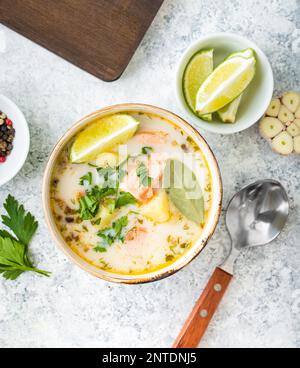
pixel 257 214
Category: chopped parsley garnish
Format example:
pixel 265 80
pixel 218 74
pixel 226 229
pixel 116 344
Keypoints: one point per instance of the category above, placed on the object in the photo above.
pixel 121 169
pixel 89 204
pixel 106 266
pixel 100 249
pixel 133 213
pixel 88 207
pixel 169 258
pixel 143 175
pixel 109 177
pixel 124 199
pixel 111 234
pixel 87 178
pixel 107 190
pixel 146 150
pixel 96 222
pixel 110 204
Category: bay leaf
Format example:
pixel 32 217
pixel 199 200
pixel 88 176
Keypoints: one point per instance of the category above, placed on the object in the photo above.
pixel 184 190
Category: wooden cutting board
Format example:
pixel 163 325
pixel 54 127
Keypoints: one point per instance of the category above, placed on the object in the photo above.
pixel 99 36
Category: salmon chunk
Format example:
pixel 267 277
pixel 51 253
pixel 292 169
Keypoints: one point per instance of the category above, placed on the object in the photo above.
pixel 152 138
pixel 131 183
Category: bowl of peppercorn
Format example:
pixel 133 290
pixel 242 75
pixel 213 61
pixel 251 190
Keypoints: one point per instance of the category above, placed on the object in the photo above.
pixel 14 139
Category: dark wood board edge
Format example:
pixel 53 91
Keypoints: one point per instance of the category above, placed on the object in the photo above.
pixel 102 76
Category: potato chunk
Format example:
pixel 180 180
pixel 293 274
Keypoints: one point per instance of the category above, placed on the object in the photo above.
pixel 158 209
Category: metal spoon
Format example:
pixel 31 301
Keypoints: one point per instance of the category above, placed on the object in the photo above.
pixel 255 216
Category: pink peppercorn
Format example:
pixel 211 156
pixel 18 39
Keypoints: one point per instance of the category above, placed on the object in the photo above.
pixel 2 159
pixel 8 122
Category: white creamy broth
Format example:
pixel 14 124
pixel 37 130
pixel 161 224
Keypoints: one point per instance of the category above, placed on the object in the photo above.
pixel 147 242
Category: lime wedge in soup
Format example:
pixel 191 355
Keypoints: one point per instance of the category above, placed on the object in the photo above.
pixel 227 82
pixel 101 136
pixel 198 69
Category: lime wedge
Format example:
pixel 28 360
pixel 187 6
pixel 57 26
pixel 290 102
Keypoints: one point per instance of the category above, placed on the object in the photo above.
pixel 228 113
pixel 198 69
pixel 227 82
pixel 101 136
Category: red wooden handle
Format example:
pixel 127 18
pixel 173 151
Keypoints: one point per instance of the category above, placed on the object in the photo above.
pixel 199 319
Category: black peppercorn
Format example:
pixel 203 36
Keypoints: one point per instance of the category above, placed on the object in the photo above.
pixel 7 134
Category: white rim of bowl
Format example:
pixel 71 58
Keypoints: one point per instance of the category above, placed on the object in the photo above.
pixel 23 122
pixel 234 128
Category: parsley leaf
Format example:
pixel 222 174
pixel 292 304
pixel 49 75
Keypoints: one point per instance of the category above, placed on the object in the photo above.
pixel 146 150
pixel 13 260
pixel 10 274
pixel 109 181
pixel 110 235
pixel 23 225
pixel 122 169
pixel 142 173
pixel 6 234
pixel 96 222
pixel 119 226
pixel 109 177
pixel 86 178
pixel 100 249
pixel 89 204
pixel 110 204
pixel 124 199
pixel 88 207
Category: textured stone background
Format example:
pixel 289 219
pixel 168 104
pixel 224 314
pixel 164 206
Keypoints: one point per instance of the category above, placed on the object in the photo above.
pixel 73 309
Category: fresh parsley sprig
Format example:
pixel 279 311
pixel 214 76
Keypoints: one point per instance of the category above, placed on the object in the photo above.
pixel 107 190
pixel 89 204
pixel 14 259
pixel 87 178
pixel 22 224
pixel 124 199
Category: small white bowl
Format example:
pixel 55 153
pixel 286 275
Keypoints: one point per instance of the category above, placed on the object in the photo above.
pixel 256 98
pixel 17 158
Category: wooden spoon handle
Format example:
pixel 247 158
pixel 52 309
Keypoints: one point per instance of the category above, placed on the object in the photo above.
pixel 199 319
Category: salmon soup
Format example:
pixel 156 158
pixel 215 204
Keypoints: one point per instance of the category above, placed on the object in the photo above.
pixel 129 210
